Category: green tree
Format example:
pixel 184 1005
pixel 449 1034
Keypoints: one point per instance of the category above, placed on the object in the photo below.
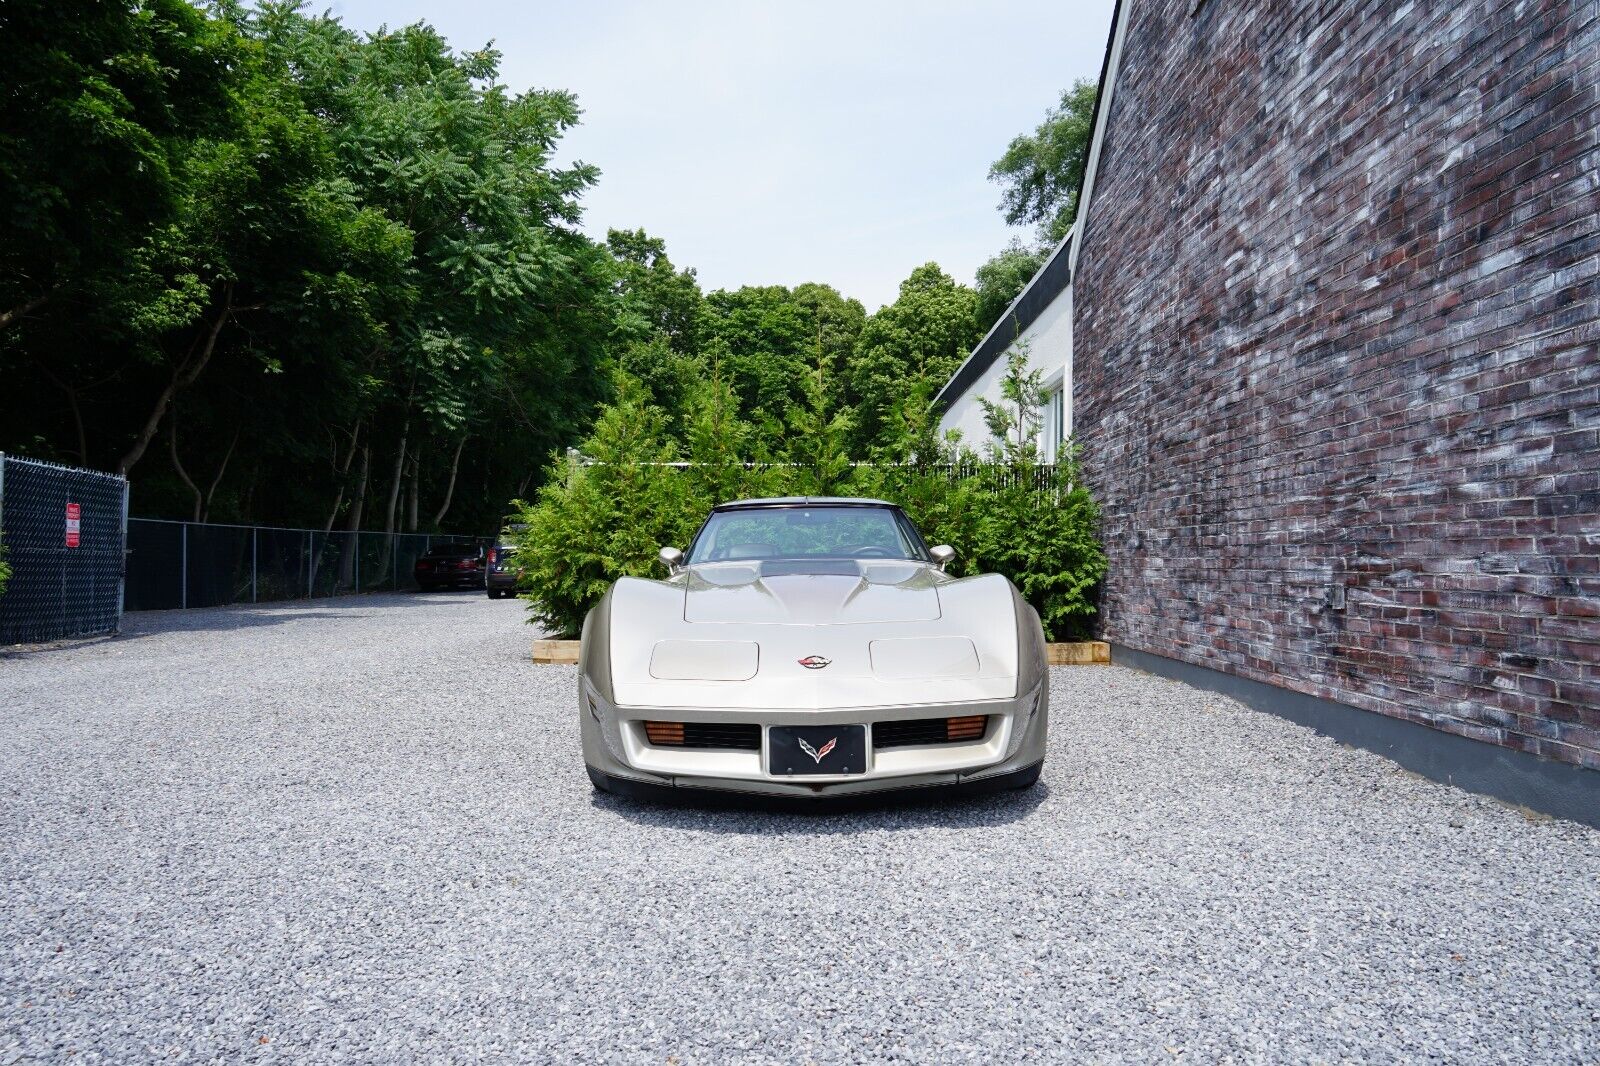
pixel 1041 172
pixel 835 323
pixel 288 272
pixel 659 320
pixel 1003 277
pixel 1041 529
pixel 668 375
pixel 101 102
pixel 921 337
pixel 910 434
pixel 1014 420
pixel 726 459
pixel 658 300
pixel 817 445
pixel 268 242
pixel 767 338
pixel 499 283
pixel 606 517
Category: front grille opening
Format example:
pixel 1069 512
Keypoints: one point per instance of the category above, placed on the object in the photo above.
pixel 963 729
pixel 737 736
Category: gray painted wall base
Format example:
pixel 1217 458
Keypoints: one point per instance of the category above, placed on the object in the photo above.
pixel 1555 788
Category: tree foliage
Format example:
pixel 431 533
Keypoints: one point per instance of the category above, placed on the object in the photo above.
pixel 918 340
pixel 281 271
pixel 1013 421
pixel 103 102
pixel 606 516
pixel 594 523
pixel 285 272
pixel 659 301
pixel 1002 278
pixel 1040 172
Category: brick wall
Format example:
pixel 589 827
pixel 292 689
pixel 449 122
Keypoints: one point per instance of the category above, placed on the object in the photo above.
pixel 1338 338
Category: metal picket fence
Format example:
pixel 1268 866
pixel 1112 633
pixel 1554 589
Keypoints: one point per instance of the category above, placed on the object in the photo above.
pixel 61 529
pixel 208 564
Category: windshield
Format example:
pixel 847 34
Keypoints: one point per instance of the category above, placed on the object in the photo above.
pixel 806 533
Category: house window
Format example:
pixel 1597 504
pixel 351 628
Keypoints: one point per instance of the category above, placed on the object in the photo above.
pixel 1055 425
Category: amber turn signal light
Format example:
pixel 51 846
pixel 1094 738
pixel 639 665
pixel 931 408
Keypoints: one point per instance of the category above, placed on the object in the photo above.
pixel 664 732
pixel 969 727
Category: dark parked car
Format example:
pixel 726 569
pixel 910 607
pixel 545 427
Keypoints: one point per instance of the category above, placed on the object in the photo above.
pixel 450 565
pixel 501 579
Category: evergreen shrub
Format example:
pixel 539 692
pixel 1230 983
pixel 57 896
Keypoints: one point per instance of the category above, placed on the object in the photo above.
pixel 634 491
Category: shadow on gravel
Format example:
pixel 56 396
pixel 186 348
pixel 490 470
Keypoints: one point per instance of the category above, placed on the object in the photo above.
pixel 27 651
pixel 766 816
pixel 141 624
pixel 138 624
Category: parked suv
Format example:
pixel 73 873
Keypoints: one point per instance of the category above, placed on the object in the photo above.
pixel 501 577
pixel 450 565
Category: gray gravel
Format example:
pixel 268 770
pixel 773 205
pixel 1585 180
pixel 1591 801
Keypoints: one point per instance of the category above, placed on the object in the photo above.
pixel 360 830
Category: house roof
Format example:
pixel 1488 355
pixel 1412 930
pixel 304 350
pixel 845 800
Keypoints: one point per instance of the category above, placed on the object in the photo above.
pixel 1056 274
pixel 1047 283
pixel 1102 113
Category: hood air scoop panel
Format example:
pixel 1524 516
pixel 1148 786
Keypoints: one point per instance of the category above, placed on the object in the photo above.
pixel 891 592
pixel 704 660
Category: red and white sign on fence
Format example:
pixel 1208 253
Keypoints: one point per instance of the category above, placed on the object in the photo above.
pixel 74 523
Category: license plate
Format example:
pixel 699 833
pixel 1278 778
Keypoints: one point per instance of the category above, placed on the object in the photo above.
pixel 795 751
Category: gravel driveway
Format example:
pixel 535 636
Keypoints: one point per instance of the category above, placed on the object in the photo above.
pixel 360 830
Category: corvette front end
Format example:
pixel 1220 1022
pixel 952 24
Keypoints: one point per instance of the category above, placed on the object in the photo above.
pixel 812 678
pixel 734 749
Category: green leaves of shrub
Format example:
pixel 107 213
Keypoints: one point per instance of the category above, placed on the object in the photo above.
pixel 592 524
pixel 607 517
pixel 1045 540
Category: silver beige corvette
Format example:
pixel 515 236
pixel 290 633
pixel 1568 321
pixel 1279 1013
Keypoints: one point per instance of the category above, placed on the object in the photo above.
pixel 811 647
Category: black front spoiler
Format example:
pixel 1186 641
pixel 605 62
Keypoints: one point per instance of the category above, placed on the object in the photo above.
pixel 650 792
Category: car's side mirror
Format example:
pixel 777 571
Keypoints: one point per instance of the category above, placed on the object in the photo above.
pixel 671 558
pixel 942 554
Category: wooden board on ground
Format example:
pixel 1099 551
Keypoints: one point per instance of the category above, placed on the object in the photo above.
pixel 555 651
pixel 1084 653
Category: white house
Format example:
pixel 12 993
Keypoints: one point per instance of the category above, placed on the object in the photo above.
pixel 1040 316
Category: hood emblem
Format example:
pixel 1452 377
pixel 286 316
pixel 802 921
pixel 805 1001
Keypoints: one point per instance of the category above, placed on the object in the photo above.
pixel 815 662
pixel 817 754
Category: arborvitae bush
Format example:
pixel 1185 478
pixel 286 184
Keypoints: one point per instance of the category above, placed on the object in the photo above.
pixel 1041 531
pixel 594 523
pixel 607 517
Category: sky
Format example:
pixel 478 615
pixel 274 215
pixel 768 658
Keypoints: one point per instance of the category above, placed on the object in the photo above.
pixel 778 143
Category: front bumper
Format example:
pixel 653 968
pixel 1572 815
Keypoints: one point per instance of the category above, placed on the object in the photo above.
pixel 1020 778
pixel 620 758
pixel 440 580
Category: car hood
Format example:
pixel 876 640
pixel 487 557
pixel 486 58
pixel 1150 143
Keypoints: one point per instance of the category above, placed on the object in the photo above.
pixel 878 592
pixel 734 637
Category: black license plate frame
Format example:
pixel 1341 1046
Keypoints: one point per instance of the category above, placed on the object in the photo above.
pixel 835 750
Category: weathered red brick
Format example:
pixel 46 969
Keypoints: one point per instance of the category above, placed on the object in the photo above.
pixel 1337 324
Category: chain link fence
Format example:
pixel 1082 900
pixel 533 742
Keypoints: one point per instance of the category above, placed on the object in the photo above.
pixel 196 564
pixel 61 529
